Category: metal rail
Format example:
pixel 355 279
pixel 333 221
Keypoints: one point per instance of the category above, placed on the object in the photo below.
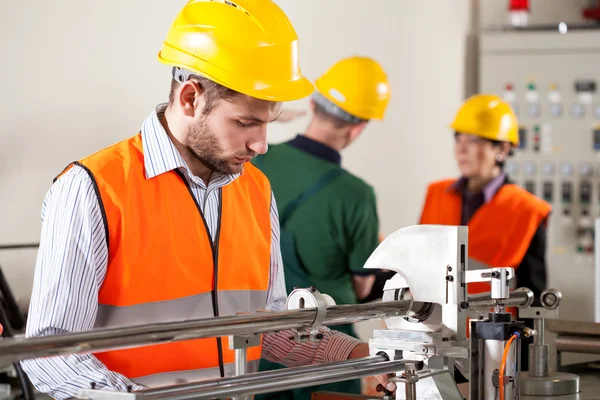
pixel 16 246
pixel 288 378
pixel 522 297
pixel 133 336
pixel 578 344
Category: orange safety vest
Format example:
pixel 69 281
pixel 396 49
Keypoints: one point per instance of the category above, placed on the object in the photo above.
pixel 500 231
pixel 163 266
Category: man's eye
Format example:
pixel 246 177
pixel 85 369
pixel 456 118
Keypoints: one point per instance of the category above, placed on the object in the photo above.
pixel 243 125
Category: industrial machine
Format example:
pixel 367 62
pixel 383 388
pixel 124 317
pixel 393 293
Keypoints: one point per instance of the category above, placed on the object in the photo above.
pixel 433 331
pixel 550 75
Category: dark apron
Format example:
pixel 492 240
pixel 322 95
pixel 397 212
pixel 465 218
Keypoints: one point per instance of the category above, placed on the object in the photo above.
pixel 296 276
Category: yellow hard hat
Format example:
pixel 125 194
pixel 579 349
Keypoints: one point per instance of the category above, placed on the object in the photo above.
pixel 249 46
pixel 489 117
pixel 357 85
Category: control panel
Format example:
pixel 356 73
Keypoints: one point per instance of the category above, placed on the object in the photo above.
pixel 552 81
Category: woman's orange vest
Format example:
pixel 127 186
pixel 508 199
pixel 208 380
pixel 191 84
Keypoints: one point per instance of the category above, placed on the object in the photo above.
pixel 500 231
pixel 163 266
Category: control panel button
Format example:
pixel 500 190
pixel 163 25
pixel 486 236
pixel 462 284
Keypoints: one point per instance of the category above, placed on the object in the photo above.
pixel 534 109
pixel 536 138
pixel 586 169
pixel 597 111
pixel 577 110
pixel 567 169
pixel 511 168
pixel 548 168
pixel 529 168
pixel 555 109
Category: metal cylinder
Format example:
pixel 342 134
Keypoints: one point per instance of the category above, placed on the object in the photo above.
pixel 410 387
pixel 240 368
pixel 540 327
pixel 274 380
pixel 577 344
pixel 500 288
pixel 555 384
pixel 538 360
pixel 240 361
pixel 133 336
pixel 522 297
pixel 492 354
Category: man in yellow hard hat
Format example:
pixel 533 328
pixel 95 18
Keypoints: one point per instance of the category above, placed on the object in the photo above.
pixel 174 223
pixel 507 224
pixel 328 216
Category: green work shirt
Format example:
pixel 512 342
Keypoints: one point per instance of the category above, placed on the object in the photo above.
pixel 337 229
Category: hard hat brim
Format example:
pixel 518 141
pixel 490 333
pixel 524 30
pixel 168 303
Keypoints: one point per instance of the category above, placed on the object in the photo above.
pixel 277 91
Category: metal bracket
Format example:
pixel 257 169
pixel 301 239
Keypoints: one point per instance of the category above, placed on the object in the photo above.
pixel 237 342
pixel 538 313
pixel 309 298
pixel 486 275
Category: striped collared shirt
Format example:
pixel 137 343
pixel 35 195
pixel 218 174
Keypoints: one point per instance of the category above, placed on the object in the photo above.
pixel 72 263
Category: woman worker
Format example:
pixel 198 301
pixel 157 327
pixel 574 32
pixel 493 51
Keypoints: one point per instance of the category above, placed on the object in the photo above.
pixel 507 224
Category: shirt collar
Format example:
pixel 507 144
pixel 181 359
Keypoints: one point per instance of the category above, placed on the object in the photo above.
pixel 489 191
pixel 160 154
pixel 316 149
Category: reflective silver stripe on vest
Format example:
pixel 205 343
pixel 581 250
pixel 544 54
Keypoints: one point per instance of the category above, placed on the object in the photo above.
pixel 186 308
pixel 180 377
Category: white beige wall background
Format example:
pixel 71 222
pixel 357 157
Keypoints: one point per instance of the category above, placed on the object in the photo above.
pixel 76 76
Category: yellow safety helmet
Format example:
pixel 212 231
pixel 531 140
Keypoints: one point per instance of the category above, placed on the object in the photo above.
pixel 249 46
pixel 357 85
pixel 489 117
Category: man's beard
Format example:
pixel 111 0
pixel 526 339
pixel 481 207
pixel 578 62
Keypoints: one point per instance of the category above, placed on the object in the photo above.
pixel 204 144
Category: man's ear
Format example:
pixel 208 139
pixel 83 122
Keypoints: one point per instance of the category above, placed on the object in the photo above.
pixel 357 129
pixel 506 149
pixel 191 97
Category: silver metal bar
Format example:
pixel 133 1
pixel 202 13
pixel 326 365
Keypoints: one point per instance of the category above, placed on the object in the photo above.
pixel 540 327
pixel 120 338
pixel 265 375
pixel 576 344
pixel 522 297
pixel 410 387
pixel 240 368
pixel 240 361
pixel 260 383
pixel 597 269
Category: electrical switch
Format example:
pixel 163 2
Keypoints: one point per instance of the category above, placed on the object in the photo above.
pixel 522 137
pixel 596 137
pixel 585 192
pixel 530 186
pixel 567 196
pixel 548 192
pixel 567 192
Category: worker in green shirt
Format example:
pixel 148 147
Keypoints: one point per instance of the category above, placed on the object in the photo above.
pixel 328 216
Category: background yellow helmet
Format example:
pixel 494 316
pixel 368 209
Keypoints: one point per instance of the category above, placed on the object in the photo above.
pixel 249 46
pixel 489 117
pixel 357 85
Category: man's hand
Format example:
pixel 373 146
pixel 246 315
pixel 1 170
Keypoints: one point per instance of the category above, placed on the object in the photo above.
pixel 361 351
